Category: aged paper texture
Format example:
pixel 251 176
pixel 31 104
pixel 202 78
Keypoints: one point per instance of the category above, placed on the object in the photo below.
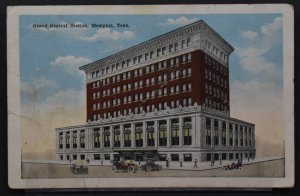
pixel 185 96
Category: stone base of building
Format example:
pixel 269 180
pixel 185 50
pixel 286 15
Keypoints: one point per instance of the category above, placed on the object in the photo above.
pixel 184 134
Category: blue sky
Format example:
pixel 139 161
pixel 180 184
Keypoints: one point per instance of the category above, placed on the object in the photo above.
pixel 50 58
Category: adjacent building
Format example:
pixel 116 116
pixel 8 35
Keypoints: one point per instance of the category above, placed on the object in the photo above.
pixel 166 98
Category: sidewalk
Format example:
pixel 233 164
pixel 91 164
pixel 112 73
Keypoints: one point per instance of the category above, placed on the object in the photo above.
pixel 207 165
pixel 173 165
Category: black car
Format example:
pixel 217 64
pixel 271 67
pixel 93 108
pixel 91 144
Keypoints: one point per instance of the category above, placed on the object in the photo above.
pixel 79 168
pixel 151 166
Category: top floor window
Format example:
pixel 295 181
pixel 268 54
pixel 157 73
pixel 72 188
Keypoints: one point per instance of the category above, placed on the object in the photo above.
pixel 158 52
pixel 151 54
pixel 163 50
pixel 182 43
pixel 176 46
pixel 188 41
pixel 146 56
pixel 171 48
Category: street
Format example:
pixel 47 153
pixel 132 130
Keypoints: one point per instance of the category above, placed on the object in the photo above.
pixel 272 168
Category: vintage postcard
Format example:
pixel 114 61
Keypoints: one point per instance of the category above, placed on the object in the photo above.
pixel 152 96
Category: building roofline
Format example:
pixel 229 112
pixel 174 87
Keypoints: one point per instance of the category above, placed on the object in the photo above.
pixel 90 65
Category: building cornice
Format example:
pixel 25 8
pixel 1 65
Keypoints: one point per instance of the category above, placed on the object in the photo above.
pixel 170 113
pixel 157 42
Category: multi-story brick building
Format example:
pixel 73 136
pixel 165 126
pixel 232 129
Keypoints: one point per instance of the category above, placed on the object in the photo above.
pixel 166 98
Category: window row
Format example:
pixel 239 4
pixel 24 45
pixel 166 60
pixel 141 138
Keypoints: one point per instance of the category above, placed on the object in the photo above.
pixel 216 134
pixel 215 64
pixel 139 84
pixel 147 69
pixel 215 105
pixel 216 51
pixel 145 96
pixel 146 108
pixel 142 58
pixel 215 92
pixel 215 78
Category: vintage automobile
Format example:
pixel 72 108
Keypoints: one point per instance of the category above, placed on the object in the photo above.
pixel 79 168
pixel 150 165
pixel 128 166
pixel 234 165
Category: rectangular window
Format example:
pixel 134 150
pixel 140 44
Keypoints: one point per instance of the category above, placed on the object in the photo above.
pixel 151 54
pixel 190 101
pixel 153 81
pixel 171 48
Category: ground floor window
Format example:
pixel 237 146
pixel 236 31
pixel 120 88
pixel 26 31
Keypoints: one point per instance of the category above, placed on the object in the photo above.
pixel 175 137
pixel 61 157
pixel 208 157
pixel 246 155
pixel 96 156
pixel 68 157
pixel 74 157
pixel 174 157
pixel 230 156
pixel 139 157
pixel 162 138
pixel 150 155
pixel 106 140
pixel 107 156
pixel 187 136
pixel 127 157
pixel 162 157
pixel 223 156
pixel 127 140
pixel 237 155
pixel 138 139
pixel 216 156
pixel 150 141
pixel 82 157
pixel 187 157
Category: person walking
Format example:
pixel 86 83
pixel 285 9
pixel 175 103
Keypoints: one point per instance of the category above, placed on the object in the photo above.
pixel 167 163
pixel 196 164
pixel 180 162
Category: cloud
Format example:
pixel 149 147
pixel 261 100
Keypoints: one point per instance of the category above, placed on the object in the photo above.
pixel 107 33
pixel 70 64
pixel 258 99
pixel 249 35
pixel 271 28
pixel 253 56
pixel 178 21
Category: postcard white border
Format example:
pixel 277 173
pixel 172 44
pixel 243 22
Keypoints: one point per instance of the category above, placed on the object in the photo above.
pixel 13 86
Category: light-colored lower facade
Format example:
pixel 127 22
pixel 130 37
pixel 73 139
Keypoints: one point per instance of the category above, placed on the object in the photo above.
pixel 185 134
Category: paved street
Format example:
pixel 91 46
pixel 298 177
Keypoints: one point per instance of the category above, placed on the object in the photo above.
pixel 262 168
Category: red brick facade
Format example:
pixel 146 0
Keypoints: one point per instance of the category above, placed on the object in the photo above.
pixel 196 77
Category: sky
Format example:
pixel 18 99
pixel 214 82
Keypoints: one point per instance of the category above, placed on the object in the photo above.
pixel 53 88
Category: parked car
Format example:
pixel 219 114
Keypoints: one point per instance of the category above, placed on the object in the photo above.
pixel 128 166
pixel 79 168
pixel 234 165
pixel 150 165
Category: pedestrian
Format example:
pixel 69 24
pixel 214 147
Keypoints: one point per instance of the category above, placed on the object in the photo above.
pixel 196 164
pixel 167 163
pixel 180 162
